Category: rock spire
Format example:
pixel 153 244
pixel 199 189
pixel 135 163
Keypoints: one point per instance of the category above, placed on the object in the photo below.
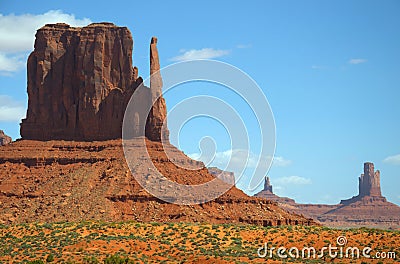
pixel 369 183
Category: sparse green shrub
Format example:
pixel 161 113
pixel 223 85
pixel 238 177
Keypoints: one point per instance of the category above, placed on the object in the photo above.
pixel 116 259
pixel 50 258
pixel 90 260
pixel 36 261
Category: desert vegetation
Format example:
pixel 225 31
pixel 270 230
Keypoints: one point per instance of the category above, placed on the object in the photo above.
pixel 133 242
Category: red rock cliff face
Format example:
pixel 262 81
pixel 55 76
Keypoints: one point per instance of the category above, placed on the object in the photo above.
pixel 79 82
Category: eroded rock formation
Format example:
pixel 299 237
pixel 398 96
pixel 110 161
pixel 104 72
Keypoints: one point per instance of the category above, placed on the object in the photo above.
pixel 4 139
pixel 370 181
pixel 267 185
pixel 157 119
pixel 268 194
pixel 369 185
pixel 80 81
pixel 57 181
pixel 226 176
pixel 369 208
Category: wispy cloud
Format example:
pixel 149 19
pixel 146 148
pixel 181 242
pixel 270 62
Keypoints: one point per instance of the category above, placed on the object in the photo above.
pixel 244 46
pixel 357 61
pixel 353 61
pixel 249 168
pixel 17 32
pixel 229 159
pixel 17 35
pixel 292 180
pixel 11 110
pixel 238 157
pixel 278 188
pixel 11 63
pixel 281 162
pixel 206 53
pixel 394 160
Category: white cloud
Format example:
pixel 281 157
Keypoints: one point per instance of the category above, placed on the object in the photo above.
pixel 248 167
pixel 11 110
pixel 17 32
pixel 281 161
pixel 394 160
pixel 17 35
pixel 195 156
pixel 292 180
pixel 237 158
pixel 11 63
pixel 206 53
pixel 357 61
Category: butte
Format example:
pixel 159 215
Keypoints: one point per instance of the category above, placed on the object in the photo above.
pixel 69 164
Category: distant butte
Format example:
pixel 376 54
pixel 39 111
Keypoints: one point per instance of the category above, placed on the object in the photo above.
pixel 226 176
pixel 267 193
pixel 4 139
pixel 369 186
pixel 369 208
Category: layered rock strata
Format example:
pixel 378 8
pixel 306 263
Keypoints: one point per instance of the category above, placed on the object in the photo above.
pixel 80 81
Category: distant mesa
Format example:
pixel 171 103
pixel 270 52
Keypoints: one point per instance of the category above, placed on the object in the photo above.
pixel 4 139
pixel 368 208
pixel 80 81
pixel 226 176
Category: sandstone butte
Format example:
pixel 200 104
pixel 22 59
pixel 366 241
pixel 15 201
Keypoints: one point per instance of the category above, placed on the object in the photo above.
pixel 69 164
pixel 369 208
pixel 4 139
pixel 226 176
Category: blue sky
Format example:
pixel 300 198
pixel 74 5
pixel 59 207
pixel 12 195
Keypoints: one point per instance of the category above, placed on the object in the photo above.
pixel 330 71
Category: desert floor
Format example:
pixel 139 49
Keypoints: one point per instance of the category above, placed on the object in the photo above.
pixel 132 242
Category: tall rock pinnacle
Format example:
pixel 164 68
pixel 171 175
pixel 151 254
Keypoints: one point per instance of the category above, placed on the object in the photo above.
pixel 369 186
pixel 155 75
pixel 80 81
pixel 369 182
pixel 267 185
pixel 267 193
pixel 156 126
